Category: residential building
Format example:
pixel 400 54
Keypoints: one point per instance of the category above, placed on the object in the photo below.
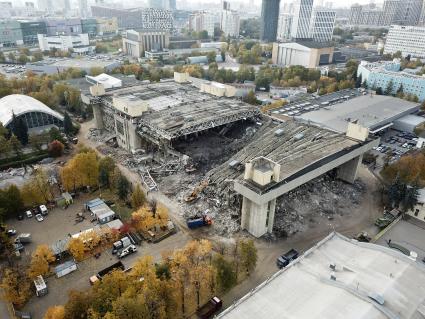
pixel 63 26
pixel 5 10
pixel 380 74
pixel 305 53
pixel 10 33
pixel 322 25
pixel 107 26
pixel 204 21
pixel 30 30
pixel 137 18
pixel 230 21
pixel 269 20
pixel 284 26
pixel 409 12
pixel 80 44
pixel 301 22
pixel 418 212
pixel 341 278
pixel 422 18
pixel 83 8
pixel 390 11
pixel 162 4
pixel 409 40
pixel 368 15
pixel 135 43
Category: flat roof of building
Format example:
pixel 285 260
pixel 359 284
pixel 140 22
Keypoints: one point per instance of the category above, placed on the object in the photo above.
pixel 371 111
pixel 178 109
pixel 369 281
pixel 295 146
pixel 80 62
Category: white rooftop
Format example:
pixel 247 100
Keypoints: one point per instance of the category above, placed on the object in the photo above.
pixel 19 104
pixel 106 80
pixel 371 112
pixel 371 282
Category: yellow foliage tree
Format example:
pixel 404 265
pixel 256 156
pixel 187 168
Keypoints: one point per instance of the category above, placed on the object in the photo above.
pixel 55 312
pixel 16 287
pixel 76 248
pixel 147 217
pixel 81 170
pixel 90 239
pixel 41 258
pixel 138 198
pixel 37 190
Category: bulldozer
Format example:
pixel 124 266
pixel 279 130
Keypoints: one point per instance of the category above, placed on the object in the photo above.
pixel 194 195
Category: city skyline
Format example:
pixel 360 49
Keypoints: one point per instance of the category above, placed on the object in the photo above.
pixel 336 4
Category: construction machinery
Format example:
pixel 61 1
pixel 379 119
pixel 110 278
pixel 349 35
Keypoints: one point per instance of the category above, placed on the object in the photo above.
pixel 195 193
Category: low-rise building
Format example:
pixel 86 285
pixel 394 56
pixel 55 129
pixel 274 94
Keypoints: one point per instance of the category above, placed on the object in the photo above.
pixel 418 212
pixel 135 43
pixel 381 74
pixel 10 33
pixel 339 278
pixel 107 26
pixel 308 54
pixel 79 44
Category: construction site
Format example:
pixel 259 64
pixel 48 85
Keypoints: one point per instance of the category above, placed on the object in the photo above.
pixel 216 155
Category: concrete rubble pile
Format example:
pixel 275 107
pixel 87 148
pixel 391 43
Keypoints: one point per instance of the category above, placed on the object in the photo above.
pixel 320 199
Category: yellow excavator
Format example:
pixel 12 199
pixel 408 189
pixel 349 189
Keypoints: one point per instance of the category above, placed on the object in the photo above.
pixel 194 195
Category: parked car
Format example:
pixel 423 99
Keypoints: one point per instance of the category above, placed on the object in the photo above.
pixel 287 258
pixel 127 251
pixel 11 232
pixel 39 217
pixel 210 308
pixel 28 213
pixel 43 210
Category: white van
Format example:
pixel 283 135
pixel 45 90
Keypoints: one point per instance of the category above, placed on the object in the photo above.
pixel 28 213
pixel 43 210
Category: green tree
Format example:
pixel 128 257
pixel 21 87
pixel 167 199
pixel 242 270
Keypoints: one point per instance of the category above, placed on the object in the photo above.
pixel 15 145
pixel 20 129
pixel 2 57
pixel 379 91
pixel 36 141
pixel 14 203
pixel 211 56
pixel 226 276
pixel 23 59
pixel 410 198
pixel 68 128
pixel 123 187
pixel 248 255
pixel 390 87
pixel 251 98
pixel 37 56
pixel 106 171
pixel 11 57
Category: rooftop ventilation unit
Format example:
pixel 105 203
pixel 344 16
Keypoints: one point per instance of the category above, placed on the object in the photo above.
pixel 332 266
pixel 377 297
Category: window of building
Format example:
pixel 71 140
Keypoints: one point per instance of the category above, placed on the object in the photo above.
pixel 416 212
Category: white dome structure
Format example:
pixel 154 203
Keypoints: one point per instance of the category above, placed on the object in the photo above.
pixel 36 114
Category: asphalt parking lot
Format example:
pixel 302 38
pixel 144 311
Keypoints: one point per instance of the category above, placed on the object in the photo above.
pixel 394 144
pixel 57 225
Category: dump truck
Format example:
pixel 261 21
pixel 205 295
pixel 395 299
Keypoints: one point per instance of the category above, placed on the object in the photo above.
pixel 287 258
pixel 196 222
pixel 210 308
pixel 107 270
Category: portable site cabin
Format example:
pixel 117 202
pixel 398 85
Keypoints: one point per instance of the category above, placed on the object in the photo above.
pixel 40 286
pixel 100 210
pixel 64 200
pixel 115 224
pixel 65 268
pixel 60 248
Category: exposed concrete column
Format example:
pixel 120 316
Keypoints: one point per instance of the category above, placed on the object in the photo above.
pixel 97 113
pixel 348 171
pixel 246 203
pixel 272 211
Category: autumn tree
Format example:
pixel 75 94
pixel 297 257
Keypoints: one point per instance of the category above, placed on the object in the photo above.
pixel 16 287
pixel 122 186
pixel 81 170
pixel 11 201
pixel 55 148
pixel 55 312
pixel 37 190
pixel 40 261
pixel 76 248
pixel 248 255
pixel 138 197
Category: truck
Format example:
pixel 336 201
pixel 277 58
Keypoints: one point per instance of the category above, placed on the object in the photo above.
pixel 287 258
pixel 121 244
pixel 127 251
pixel 210 308
pixel 196 222
pixel 105 271
pixel 24 238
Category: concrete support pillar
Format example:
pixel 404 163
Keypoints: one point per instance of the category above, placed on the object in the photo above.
pixel 272 210
pixel 348 171
pixel 97 113
pixel 257 219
